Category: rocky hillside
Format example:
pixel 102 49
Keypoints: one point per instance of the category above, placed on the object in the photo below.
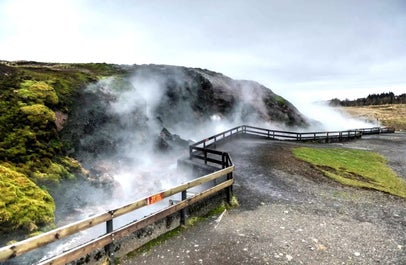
pixel 61 124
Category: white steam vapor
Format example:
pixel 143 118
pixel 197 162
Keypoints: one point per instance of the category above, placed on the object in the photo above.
pixel 330 119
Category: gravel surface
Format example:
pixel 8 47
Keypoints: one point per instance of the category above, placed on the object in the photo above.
pixel 289 213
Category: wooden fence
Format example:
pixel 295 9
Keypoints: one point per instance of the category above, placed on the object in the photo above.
pixel 203 150
pixel 110 236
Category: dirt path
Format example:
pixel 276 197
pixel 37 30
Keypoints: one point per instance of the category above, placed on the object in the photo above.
pixel 291 214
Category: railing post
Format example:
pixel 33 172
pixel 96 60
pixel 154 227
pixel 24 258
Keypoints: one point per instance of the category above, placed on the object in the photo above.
pixel 190 152
pixel 110 247
pixel 183 211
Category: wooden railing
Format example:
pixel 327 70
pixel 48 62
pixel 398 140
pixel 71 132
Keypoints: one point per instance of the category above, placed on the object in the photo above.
pixel 111 235
pixel 203 150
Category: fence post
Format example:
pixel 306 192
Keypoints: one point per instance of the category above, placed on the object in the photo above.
pixel 183 211
pixel 110 247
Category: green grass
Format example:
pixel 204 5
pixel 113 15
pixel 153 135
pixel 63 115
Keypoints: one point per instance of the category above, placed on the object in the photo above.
pixel 357 168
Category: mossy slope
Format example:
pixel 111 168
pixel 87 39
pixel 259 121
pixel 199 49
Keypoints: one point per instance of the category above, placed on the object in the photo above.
pixel 31 151
pixel 23 204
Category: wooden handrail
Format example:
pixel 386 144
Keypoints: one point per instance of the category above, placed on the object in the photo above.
pixel 24 246
pixel 92 245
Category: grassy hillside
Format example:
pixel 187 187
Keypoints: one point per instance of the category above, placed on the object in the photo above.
pixel 35 98
pixel 391 115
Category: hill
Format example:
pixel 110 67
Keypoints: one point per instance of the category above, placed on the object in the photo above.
pixel 63 124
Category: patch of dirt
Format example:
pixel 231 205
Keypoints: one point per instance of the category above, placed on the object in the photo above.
pixel 346 174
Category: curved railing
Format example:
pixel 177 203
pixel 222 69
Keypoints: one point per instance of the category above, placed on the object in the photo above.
pixel 203 150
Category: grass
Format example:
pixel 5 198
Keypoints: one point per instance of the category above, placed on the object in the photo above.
pixel 391 115
pixel 357 168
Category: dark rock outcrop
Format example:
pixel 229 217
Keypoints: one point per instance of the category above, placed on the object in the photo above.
pixel 120 114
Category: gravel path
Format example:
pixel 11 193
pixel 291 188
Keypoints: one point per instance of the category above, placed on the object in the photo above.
pixel 291 214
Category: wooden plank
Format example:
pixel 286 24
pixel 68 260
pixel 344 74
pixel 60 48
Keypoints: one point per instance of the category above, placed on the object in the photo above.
pixel 79 251
pixel 207 150
pixel 199 181
pixel 35 242
pixel 208 159
pixel 131 228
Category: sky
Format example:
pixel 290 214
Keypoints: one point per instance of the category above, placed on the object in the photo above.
pixel 304 50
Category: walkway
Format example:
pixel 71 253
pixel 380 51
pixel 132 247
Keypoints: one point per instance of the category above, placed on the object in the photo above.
pixel 291 214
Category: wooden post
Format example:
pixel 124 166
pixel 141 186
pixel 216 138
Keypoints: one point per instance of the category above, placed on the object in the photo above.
pixel 183 211
pixel 110 247
pixel 229 190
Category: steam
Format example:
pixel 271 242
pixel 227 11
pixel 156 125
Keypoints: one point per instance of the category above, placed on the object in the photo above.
pixel 327 118
pixel 153 98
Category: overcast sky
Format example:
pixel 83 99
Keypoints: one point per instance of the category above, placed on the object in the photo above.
pixel 300 49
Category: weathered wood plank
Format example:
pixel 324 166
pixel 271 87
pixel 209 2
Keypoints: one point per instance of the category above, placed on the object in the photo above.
pixel 79 251
pixel 35 242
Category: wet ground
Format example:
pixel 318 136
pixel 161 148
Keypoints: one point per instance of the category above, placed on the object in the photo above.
pixel 291 214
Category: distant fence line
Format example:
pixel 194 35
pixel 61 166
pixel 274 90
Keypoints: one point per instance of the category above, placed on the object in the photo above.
pixel 203 150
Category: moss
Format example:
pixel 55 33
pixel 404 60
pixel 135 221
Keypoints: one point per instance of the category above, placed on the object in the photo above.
pixel 37 92
pixel 39 114
pixel 30 146
pixel 23 204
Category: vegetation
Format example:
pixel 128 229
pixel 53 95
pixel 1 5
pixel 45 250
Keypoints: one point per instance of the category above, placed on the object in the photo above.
pixel 23 204
pixel 32 155
pixel 372 99
pixel 388 115
pixel 357 168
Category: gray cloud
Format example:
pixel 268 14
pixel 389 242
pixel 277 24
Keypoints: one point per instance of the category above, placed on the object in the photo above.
pixel 290 46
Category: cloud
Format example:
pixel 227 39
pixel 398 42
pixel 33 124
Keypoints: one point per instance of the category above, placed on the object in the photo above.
pixel 286 45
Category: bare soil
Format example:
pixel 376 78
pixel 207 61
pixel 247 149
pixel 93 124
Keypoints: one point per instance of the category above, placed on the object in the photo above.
pixel 290 213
